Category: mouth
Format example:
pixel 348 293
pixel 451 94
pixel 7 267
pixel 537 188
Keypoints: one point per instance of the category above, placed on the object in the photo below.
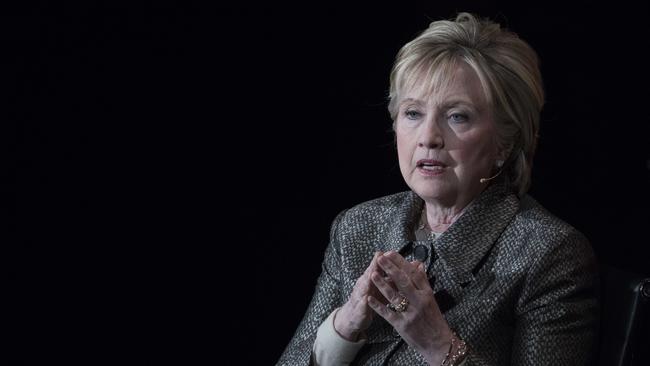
pixel 430 166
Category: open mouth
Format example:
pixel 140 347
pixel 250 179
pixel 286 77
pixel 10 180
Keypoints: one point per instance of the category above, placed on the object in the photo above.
pixel 430 164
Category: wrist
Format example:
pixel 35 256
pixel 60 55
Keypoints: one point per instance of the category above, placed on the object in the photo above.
pixel 343 327
pixel 457 352
pixel 438 349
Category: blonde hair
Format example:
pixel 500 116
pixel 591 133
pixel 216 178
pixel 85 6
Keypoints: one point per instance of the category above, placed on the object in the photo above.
pixel 508 69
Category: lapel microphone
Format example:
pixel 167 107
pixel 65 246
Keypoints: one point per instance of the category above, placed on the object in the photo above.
pixel 499 164
pixel 483 180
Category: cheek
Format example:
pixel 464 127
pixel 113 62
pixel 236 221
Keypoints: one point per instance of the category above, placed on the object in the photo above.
pixel 477 150
pixel 404 152
pixel 404 148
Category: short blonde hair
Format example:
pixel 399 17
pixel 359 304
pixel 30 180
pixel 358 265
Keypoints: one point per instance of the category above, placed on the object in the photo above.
pixel 508 69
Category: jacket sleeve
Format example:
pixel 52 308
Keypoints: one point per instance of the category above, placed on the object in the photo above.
pixel 557 313
pixel 326 298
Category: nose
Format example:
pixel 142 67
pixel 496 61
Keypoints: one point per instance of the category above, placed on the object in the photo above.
pixel 430 136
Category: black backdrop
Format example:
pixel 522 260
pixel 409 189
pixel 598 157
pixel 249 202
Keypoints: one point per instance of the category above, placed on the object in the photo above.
pixel 171 169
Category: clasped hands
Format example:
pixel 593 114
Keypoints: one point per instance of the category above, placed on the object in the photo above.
pixel 388 279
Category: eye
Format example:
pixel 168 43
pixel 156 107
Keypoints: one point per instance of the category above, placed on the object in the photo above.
pixel 458 117
pixel 412 114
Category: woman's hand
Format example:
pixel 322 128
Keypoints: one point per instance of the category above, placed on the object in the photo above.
pixel 421 325
pixel 355 316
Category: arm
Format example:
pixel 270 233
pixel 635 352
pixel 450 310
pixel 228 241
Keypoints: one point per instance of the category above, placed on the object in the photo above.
pixel 332 349
pixel 326 298
pixel 557 313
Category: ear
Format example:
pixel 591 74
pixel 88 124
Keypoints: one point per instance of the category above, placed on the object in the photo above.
pixel 503 154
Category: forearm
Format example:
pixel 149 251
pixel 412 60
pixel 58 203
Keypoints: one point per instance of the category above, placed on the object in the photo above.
pixel 330 348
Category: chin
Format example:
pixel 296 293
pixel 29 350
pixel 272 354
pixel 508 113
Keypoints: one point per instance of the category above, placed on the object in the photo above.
pixel 429 191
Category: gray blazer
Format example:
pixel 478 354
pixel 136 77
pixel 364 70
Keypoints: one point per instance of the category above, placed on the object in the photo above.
pixel 516 283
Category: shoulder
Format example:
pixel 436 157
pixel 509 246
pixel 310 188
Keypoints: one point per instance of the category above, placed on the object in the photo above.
pixel 379 209
pixel 559 260
pixel 546 234
pixel 534 218
pixel 385 204
pixel 376 216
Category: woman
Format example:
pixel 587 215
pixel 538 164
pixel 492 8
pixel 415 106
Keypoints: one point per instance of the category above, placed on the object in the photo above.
pixel 465 267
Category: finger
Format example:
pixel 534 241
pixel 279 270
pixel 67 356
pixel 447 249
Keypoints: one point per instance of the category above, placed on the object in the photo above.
pixel 385 288
pixel 399 277
pixel 420 279
pixel 415 266
pixel 369 269
pixel 363 285
pixel 373 264
pixel 374 292
pixel 366 282
pixel 382 310
pixel 414 270
pixel 397 259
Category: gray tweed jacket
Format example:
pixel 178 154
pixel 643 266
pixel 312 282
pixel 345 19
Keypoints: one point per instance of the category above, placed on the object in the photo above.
pixel 516 283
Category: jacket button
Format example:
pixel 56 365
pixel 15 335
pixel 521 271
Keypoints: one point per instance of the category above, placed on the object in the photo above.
pixel 421 253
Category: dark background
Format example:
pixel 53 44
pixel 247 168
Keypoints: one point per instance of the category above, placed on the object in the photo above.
pixel 170 170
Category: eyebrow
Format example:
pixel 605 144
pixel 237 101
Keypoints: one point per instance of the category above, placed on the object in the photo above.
pixel 456 102
pixel 405 100
pixel 446 105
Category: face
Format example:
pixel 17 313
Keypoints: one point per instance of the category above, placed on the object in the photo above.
pixel 446 140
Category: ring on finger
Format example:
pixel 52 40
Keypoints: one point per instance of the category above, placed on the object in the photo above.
pixel 400 307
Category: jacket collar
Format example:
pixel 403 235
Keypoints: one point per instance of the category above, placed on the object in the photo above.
pixel 401 226
pixel 468 239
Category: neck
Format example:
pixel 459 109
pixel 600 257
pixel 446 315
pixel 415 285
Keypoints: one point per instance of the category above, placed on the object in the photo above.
pixel 440 213
pixel 438 218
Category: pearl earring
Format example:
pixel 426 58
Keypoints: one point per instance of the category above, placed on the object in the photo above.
pixel 499 163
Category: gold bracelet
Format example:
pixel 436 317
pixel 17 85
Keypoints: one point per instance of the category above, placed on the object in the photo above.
pixel 458 355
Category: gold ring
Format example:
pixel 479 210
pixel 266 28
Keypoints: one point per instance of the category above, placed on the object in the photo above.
pixel 399 308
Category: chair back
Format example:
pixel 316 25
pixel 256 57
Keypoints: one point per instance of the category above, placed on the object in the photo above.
pixel 624 327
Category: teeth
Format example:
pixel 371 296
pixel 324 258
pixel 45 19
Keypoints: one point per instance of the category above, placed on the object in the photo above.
pixel 431 167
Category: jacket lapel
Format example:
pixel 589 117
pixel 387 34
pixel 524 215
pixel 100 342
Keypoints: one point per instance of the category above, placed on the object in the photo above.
pixel 401 225
pixel 398 235
pixel 471 237
pixel 460 248
pixel 468 240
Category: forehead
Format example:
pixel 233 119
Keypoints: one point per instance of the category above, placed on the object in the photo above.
pixel 448 81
